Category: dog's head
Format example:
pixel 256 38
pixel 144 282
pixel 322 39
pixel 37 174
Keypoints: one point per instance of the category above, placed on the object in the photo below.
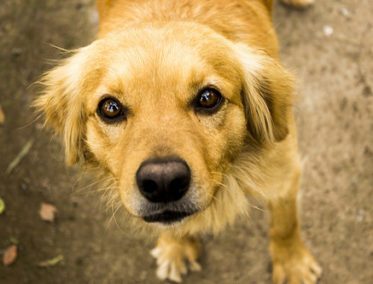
pixel 167 113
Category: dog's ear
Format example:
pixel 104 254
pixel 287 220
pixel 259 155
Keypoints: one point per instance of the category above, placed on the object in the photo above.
pixel 267 95
pixel 62 105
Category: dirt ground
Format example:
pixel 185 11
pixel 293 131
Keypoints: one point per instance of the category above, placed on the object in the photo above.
pixel 328 47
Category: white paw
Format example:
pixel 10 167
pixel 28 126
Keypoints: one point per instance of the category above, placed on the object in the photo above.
pixel 174 258
pixel 295 268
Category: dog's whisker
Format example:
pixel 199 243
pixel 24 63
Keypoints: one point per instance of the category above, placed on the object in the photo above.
pixel 90 186
pixel 257 208
pixel 114 212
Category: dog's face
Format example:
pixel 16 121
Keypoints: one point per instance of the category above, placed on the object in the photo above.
pixel 166 112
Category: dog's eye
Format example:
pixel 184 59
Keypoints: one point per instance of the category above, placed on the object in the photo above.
pixel 208 100
pixel 111 110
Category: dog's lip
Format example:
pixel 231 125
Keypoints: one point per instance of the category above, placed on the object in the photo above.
pixel 167 216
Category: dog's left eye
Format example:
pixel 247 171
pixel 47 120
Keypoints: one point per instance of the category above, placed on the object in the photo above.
pixel 208 100
pixel 111 110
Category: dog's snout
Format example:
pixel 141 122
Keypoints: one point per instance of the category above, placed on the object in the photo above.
pixel 163 179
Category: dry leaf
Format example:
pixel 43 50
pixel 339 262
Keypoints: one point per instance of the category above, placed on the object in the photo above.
pixel 51 262
pixel 47 212
pixel 2 116
pixel 13 241
pixel 10 255
pixel 24 151
pixel 2 206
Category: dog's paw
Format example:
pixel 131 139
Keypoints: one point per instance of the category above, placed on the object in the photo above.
pixel 174 258
pixel 294 267
pixel 298 3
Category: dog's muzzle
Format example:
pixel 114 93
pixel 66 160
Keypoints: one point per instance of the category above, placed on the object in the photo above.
pixel 164 182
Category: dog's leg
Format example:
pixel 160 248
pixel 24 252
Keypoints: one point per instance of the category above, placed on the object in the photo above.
pixel 175 255
pixel 292 262
pixel 298 3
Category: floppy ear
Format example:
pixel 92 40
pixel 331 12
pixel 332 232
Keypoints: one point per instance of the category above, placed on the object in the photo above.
pixel 61 103
pixel 267 95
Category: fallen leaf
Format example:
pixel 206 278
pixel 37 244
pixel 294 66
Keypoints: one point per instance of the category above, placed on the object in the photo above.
pixel 24 151
pixel 13 240
pixel 2 206
pixel 47 212
pixel 2 116
pixel 51 262
pixel 10 255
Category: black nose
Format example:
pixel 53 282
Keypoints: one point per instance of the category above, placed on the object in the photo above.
pixel 163 179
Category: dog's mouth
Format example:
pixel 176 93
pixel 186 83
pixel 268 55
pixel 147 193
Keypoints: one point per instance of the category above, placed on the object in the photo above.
pixel 167 217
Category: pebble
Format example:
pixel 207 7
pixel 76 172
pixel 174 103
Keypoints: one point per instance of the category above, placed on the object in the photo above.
pixel 328 30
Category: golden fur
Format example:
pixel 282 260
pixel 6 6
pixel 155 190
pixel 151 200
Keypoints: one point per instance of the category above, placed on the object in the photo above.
pixel 154 56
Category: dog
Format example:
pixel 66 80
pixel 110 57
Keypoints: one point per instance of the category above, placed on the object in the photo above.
pixel 186 108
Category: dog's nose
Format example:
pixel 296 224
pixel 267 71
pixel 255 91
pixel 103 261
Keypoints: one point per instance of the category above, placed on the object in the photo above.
pixel 163 179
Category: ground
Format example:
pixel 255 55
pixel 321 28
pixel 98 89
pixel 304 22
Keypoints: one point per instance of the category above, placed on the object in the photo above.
pixel 328 47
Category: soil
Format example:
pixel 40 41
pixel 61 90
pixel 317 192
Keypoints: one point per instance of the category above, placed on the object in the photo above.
pixel 328 47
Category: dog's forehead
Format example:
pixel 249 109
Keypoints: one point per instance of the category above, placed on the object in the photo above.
pixel 164 60
pixel 150 61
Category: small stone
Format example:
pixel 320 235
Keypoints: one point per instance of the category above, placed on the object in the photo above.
pixel 328 30
pixel 345 12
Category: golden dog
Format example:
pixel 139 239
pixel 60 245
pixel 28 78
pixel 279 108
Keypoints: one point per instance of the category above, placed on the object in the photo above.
pixel 186 107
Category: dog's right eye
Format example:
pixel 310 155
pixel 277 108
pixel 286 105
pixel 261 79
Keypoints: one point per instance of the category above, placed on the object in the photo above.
pixel 110 110
pixel 208 100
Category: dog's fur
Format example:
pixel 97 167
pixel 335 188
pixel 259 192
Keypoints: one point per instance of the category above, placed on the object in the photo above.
pixel 154 55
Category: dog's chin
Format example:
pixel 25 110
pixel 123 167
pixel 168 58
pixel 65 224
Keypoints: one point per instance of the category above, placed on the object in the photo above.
pixel 168 217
